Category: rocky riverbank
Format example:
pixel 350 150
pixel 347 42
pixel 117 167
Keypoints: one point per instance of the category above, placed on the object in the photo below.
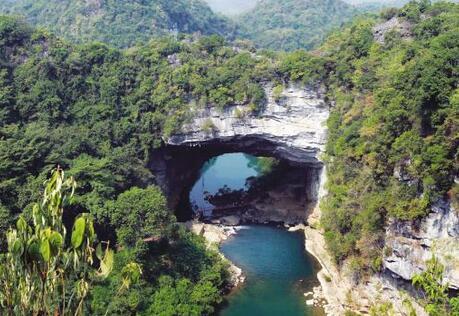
pixel 214 235
pixel 342 293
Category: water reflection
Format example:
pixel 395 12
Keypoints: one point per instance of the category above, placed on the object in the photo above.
pixel 228 172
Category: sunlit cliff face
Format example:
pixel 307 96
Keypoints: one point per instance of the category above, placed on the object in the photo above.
pixel 231 7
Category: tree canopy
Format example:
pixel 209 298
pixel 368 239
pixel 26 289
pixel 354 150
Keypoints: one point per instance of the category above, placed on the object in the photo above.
pixel 121 23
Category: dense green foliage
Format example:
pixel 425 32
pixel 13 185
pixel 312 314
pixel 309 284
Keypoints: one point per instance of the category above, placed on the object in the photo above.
pixel 46 273
pixel 293 24
pixel 180 275
pixel 272 24
pixel 121 23
pixel 393 141
pixel 100 113
pixel 139 214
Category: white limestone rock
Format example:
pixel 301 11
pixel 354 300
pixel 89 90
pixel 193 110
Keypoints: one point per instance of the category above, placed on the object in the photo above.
pixel 410 244
pixel 396 24
pixel 296 124
pixel 231 220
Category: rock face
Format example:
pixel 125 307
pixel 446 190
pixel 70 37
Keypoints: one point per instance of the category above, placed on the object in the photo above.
pixel 395 24
pixel 293 127
pixel 231 220
pixel 343 294
pixel 214 234
pixel 410 244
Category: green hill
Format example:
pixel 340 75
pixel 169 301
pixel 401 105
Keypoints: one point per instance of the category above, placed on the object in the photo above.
pixel 293 24
pixel 393 133
pixel 121 23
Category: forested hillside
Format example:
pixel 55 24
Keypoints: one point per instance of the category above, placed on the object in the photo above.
pixel 99 113
pixel 121 23
pixel 393 142
pixel 271 24
pixel 293 24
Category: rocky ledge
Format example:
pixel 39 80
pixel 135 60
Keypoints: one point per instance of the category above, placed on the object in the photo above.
pixel 214 235
pixel 410 244
pixel 395 24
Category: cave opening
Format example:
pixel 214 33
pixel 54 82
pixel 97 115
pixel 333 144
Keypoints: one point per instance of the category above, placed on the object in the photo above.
pixel 236 187
pixel 247 178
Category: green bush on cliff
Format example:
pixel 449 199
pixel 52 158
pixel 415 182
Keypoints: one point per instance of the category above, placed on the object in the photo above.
pixel 437 302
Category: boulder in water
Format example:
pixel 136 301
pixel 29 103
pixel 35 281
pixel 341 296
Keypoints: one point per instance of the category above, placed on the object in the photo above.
pixel 231 220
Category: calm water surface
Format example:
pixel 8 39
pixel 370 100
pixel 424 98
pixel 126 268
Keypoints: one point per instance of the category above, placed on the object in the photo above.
pixel 277 267
pixel 230 170
pixel 278 272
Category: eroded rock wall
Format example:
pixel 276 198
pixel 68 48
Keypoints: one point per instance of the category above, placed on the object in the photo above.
pixel 294 123
pixel 410 244
pixel 291 126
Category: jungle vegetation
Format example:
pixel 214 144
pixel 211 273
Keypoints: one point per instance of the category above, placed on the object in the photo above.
pixel 121 23
pixel 292 24
pixel 277 25
pixel 99 112
pixel 393 133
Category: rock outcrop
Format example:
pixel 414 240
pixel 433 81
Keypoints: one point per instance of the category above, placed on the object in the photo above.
pixel 290 126
pixel 343 294
pixel 395 24
pixel 338 288
pixel 410 244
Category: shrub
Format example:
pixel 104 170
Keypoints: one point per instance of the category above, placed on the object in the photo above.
pixel 277 92
pixel 208 126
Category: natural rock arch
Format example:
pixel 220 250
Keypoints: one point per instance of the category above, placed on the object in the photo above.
pixel 291 127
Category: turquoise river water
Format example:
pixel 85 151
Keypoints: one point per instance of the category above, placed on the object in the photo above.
pixel 276 265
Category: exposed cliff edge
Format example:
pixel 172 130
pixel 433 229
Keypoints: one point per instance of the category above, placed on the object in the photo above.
pixel 342 293
pixel 410 244
pixel 293 123
pixel 290 126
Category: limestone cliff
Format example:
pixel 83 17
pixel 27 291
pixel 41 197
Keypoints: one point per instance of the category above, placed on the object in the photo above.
pixel 410 244
pixel 289 126
pixel 294 123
